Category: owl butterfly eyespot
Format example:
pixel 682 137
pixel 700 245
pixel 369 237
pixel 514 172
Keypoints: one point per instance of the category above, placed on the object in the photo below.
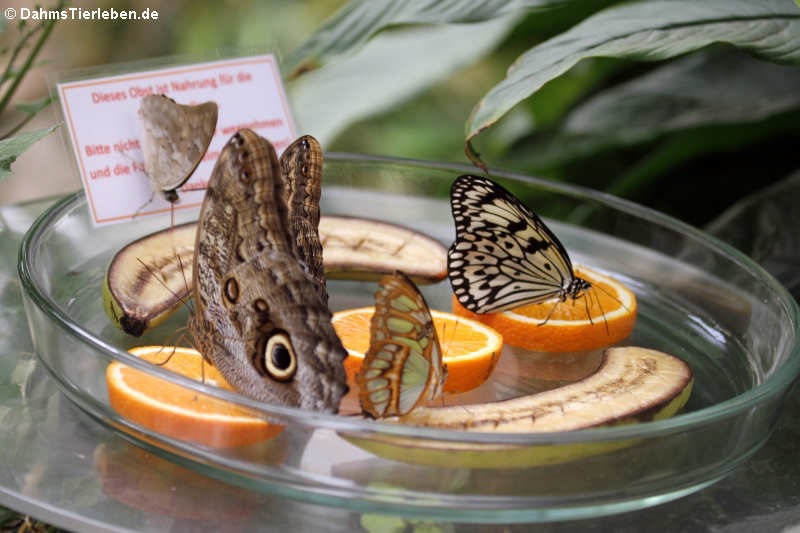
pixel 504 256
pixel 403 366
pixel 175 140
pixel 261 310
pixel 277 359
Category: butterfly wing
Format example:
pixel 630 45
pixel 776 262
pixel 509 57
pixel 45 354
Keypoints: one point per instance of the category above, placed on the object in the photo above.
pixel 504 256
pixel 301 168
pixel 403 365
pixel 175 138
pixel 260 318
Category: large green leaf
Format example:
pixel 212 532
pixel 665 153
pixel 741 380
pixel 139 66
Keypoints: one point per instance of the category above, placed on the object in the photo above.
pixel 359 20
pixel 11 148
pixel 723 87
pixel 649 31
pixel 327 100
pixel 707 88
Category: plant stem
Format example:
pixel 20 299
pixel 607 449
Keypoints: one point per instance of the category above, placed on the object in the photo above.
pixel 17 49
pixel 48 27
pixel 18 127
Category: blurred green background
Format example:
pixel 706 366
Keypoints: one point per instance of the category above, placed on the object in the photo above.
pixel 688 132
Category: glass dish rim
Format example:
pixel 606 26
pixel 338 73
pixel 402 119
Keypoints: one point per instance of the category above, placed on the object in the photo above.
pixel 682 422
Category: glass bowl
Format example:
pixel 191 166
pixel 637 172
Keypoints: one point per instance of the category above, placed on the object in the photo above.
pixel 698 299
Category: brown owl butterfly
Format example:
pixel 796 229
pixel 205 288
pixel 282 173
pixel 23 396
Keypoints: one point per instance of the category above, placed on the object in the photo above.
pixel 261 315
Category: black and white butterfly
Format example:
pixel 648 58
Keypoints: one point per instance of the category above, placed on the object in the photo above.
pixel 504 256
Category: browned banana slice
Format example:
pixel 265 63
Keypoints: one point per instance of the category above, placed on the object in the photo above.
pixel 631 385
pixel 144 284
pixel 363 248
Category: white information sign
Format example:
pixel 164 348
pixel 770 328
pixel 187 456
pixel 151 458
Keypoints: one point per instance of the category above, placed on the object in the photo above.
pixel 102 116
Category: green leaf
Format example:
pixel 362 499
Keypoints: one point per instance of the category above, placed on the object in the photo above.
pixel 11 148
pixel 357 21
pixel 553 102
pixel 649 31
pixel 721 87
pixel 31 108
pixel 420 56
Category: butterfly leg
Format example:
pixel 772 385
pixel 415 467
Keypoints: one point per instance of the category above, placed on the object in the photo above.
pixel 169 356
pixel 148 202
pixel 586 304
pixel 552 309
pixel 185 282
pixel 600 305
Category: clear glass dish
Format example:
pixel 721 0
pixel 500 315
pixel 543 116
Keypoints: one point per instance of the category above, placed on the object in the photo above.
pixel 698 299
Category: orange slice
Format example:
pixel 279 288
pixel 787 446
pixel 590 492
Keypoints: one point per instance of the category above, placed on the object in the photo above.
pixel 569 328
pixel 469 349
pixel 179 412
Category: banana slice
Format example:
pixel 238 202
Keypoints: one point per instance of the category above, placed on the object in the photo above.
pixel 631 385
pixel 144 283
pixel 368 249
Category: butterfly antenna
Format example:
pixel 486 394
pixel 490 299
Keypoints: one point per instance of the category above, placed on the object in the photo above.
pixel 610 295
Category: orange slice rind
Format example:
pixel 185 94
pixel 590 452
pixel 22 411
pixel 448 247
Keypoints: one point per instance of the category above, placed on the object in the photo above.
pixel 603 316
pixel 176 411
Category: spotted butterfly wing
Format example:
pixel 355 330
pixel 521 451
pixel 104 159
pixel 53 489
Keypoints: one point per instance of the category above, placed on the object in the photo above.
pixel 504 256
pixel 403 365
pixel 261 316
